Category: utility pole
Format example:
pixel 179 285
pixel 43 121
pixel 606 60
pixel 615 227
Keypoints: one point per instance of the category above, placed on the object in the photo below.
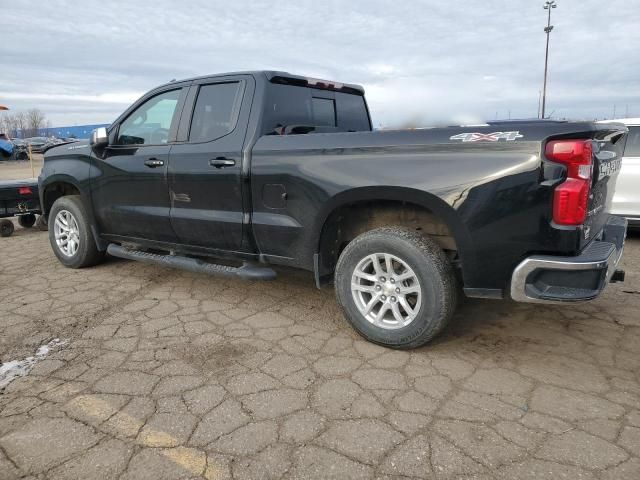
pixel 539 101
pixel 549 5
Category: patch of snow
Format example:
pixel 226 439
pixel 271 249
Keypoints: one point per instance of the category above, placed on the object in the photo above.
pixel 9 371
pixel 45 349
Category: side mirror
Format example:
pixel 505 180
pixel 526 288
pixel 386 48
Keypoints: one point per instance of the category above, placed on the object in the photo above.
pixel 99 138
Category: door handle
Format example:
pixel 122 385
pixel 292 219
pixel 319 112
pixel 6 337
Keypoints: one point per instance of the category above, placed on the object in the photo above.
pixel 153 163
pixel 221 162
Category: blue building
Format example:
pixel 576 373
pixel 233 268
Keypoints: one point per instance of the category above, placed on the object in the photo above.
pixel 77 131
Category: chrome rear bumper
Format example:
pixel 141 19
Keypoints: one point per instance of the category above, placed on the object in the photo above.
pixel 555 279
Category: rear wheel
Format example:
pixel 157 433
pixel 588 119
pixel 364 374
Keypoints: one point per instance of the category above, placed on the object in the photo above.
pixel 6 228
pixel 70 234
pixel 396 287
pixel 27 221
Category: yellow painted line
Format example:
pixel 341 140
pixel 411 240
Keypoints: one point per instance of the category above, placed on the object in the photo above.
pixel 95 407
pixel 191 459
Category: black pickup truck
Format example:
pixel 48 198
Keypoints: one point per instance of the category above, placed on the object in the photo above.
pixel 264 168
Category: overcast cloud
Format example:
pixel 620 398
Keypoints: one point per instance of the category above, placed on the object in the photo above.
pixel 423 62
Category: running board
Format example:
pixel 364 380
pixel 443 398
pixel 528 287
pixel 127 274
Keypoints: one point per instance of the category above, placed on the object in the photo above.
pixel 247 271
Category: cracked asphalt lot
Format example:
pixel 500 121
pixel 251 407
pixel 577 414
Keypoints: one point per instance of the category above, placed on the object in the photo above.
pixel 168 374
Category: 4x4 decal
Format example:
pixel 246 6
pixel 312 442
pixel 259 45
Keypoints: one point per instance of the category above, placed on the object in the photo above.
pixel 486 137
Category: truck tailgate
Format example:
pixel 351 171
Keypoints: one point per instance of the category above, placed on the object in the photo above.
pixel 18 196
pixel 607 149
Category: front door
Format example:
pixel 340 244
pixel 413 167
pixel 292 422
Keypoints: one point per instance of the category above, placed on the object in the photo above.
pixel 129 186
pixel 205 170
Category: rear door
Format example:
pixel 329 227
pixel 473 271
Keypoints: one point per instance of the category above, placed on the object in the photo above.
pixel 205 169
pixel 626 201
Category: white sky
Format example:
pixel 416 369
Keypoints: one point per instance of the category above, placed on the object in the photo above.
pixel 420 61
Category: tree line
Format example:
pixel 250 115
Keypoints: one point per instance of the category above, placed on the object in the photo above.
pixel 24 124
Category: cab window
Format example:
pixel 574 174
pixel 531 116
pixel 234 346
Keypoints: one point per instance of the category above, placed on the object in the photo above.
pixel 215 112
pixel 149 124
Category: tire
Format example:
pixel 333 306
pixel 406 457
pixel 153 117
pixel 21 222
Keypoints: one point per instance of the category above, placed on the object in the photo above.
pixel 81 250
pixel 422 271
pixel 27 221
pixel 6 228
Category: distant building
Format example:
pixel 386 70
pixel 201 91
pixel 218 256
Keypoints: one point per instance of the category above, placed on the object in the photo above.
pixel 77 131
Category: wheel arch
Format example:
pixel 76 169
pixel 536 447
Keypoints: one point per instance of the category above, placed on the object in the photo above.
pixel 63 185
pixel 412 204
pixel 56 187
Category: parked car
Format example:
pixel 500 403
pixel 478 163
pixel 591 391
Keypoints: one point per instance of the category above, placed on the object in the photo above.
pixel 12 149
pixel 20 151
pixel 269 168
pixel 626 201
pixel 37 143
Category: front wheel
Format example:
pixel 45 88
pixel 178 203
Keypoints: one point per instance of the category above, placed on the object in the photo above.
pixel 70 234
pixel 396 287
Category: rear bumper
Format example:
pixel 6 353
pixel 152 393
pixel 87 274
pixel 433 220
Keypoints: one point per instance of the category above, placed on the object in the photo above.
pixel 552 279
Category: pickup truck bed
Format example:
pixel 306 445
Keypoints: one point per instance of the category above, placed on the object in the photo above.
pixel 263 168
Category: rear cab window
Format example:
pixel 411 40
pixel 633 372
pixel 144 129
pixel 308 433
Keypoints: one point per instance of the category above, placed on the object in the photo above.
pixel 323 111
pixel 292 105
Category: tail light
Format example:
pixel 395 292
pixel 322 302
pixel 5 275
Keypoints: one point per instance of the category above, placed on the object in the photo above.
pixel 25 191
pixel 571 197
